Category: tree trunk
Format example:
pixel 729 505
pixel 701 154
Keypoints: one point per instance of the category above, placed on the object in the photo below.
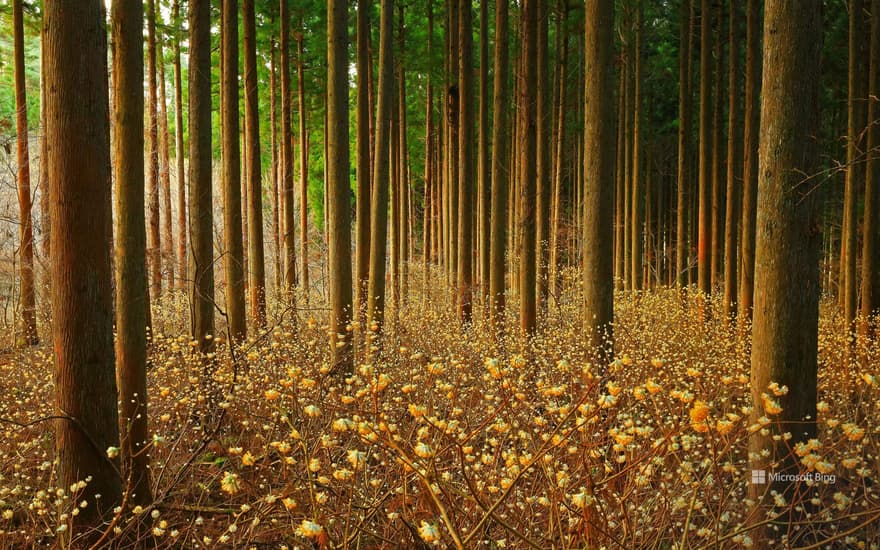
pixel 785 328
pixel 362 205
pixel 704 228
pixel 131 237
pixel 870 257
pixel 636 194
pixel 752 112
pixel 231 180
pixel 26 231
pixel 339 226
pixel 528 193
pixel 599 132
pixel 303 165
pixel 179 154
pixel 544 172
pixel 499 168
pixel 273 125
pixel 484 159
pixel 379 204
pixel 154 244
pixel 256 254
pixel 289 229
pixel 75 46
pixel 201 189
pixel 717 213
pixel 734 164
pixel 684 142
pixel 465 162
pixel 165 168
pixel 402 170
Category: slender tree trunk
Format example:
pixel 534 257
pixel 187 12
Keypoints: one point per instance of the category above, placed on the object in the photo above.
pixel 404 189
pixel 599 179
pixel 26 230
pixel 201 188
pixel 428 231
pixel 379 197
pixel 168 251
pixel 273 125
pixel 704 228
pixel 734 164
pixel 870 257
pixel 363 157
pixel 131 237
pixel 154 244
pixel 544 122
pixel 637 146
pixel 684 142
pixel 717 213
pixel 45 218
pixel 751 129
pixel 256 254
pixel 619 207
pixel 179 154
pixel 303 164
pixel 339 226
pixel 231 181
pixel 785 329
pixel 75 46
pixel 627 167
pixel 465 162
pixel 528 194
pixel 289 229
pixel 484 159
pixel 499 168
pixel 559 148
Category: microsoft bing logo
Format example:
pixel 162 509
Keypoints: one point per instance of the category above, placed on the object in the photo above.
pixel 759 477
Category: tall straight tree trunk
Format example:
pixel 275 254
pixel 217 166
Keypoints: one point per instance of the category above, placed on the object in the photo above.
pixel 465 162
pixel 684 142
pixel 289 229
pixel 201 200
pixel 179 154
pixel 855 166
pixel 339 223
pixel 785 329
pixel 500 172
pixel 303 164
pixel 379 197
pixel 559 163
pixel 627 167
pixel 45 221
pixel 484 158
pixel 362 230
pixel 154 245
pixel 717 217
pixel 77 111
pixel 256 254
pixel 704 225
pixel 734 163
pixel 528 193
pixel 751 129
pixel 168 251
pixel 428 232
pixel 598 257
pixel 273 125
pixel 403 172
pixel 870 257
pixel 231 181
pixel 619 206
pixel 636 194
pixel 26 230
pixel 131 238
pixel 545 122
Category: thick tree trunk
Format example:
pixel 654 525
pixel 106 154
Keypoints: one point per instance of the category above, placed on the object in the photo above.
pixel 75 46
pixel 26 230
pixel 131 237
pixel 528 194
pixel 498 220
pixel 303 165
pixel 402 169
pixel 599 132
pixel 734 164
pixel 231 179
pixel 339 223
pixel 637 145
pixel 289 229
pixel 465 162
pixel 785 328
pixel 379 204
pixel 201 188
pixel 716 246
pixel 273 125
pixel 704 228
pixel 256 253
pixel 484 159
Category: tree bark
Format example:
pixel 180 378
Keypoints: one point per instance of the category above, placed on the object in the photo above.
pixel 289 229
pixel 75 42
pixel 734 164
pixel 528 194
pixel 704 228
pixel 362 230
pixel 599 133
pixel 870 257
pixel 131 237
pixel 26 230
pixel 201 189
pixel 499 168
pixel 684 142
pixel 636 194
pixel 785 328
pixel 544 172
pixel 484 159
pixel 179 154
pixel 303 165
pixel 154 244
pixel 164 168
pixel 465 162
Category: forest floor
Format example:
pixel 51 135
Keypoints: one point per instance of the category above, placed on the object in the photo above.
pixel 454 439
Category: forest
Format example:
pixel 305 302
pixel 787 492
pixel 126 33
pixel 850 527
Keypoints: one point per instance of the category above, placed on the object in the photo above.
pixel 439 273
